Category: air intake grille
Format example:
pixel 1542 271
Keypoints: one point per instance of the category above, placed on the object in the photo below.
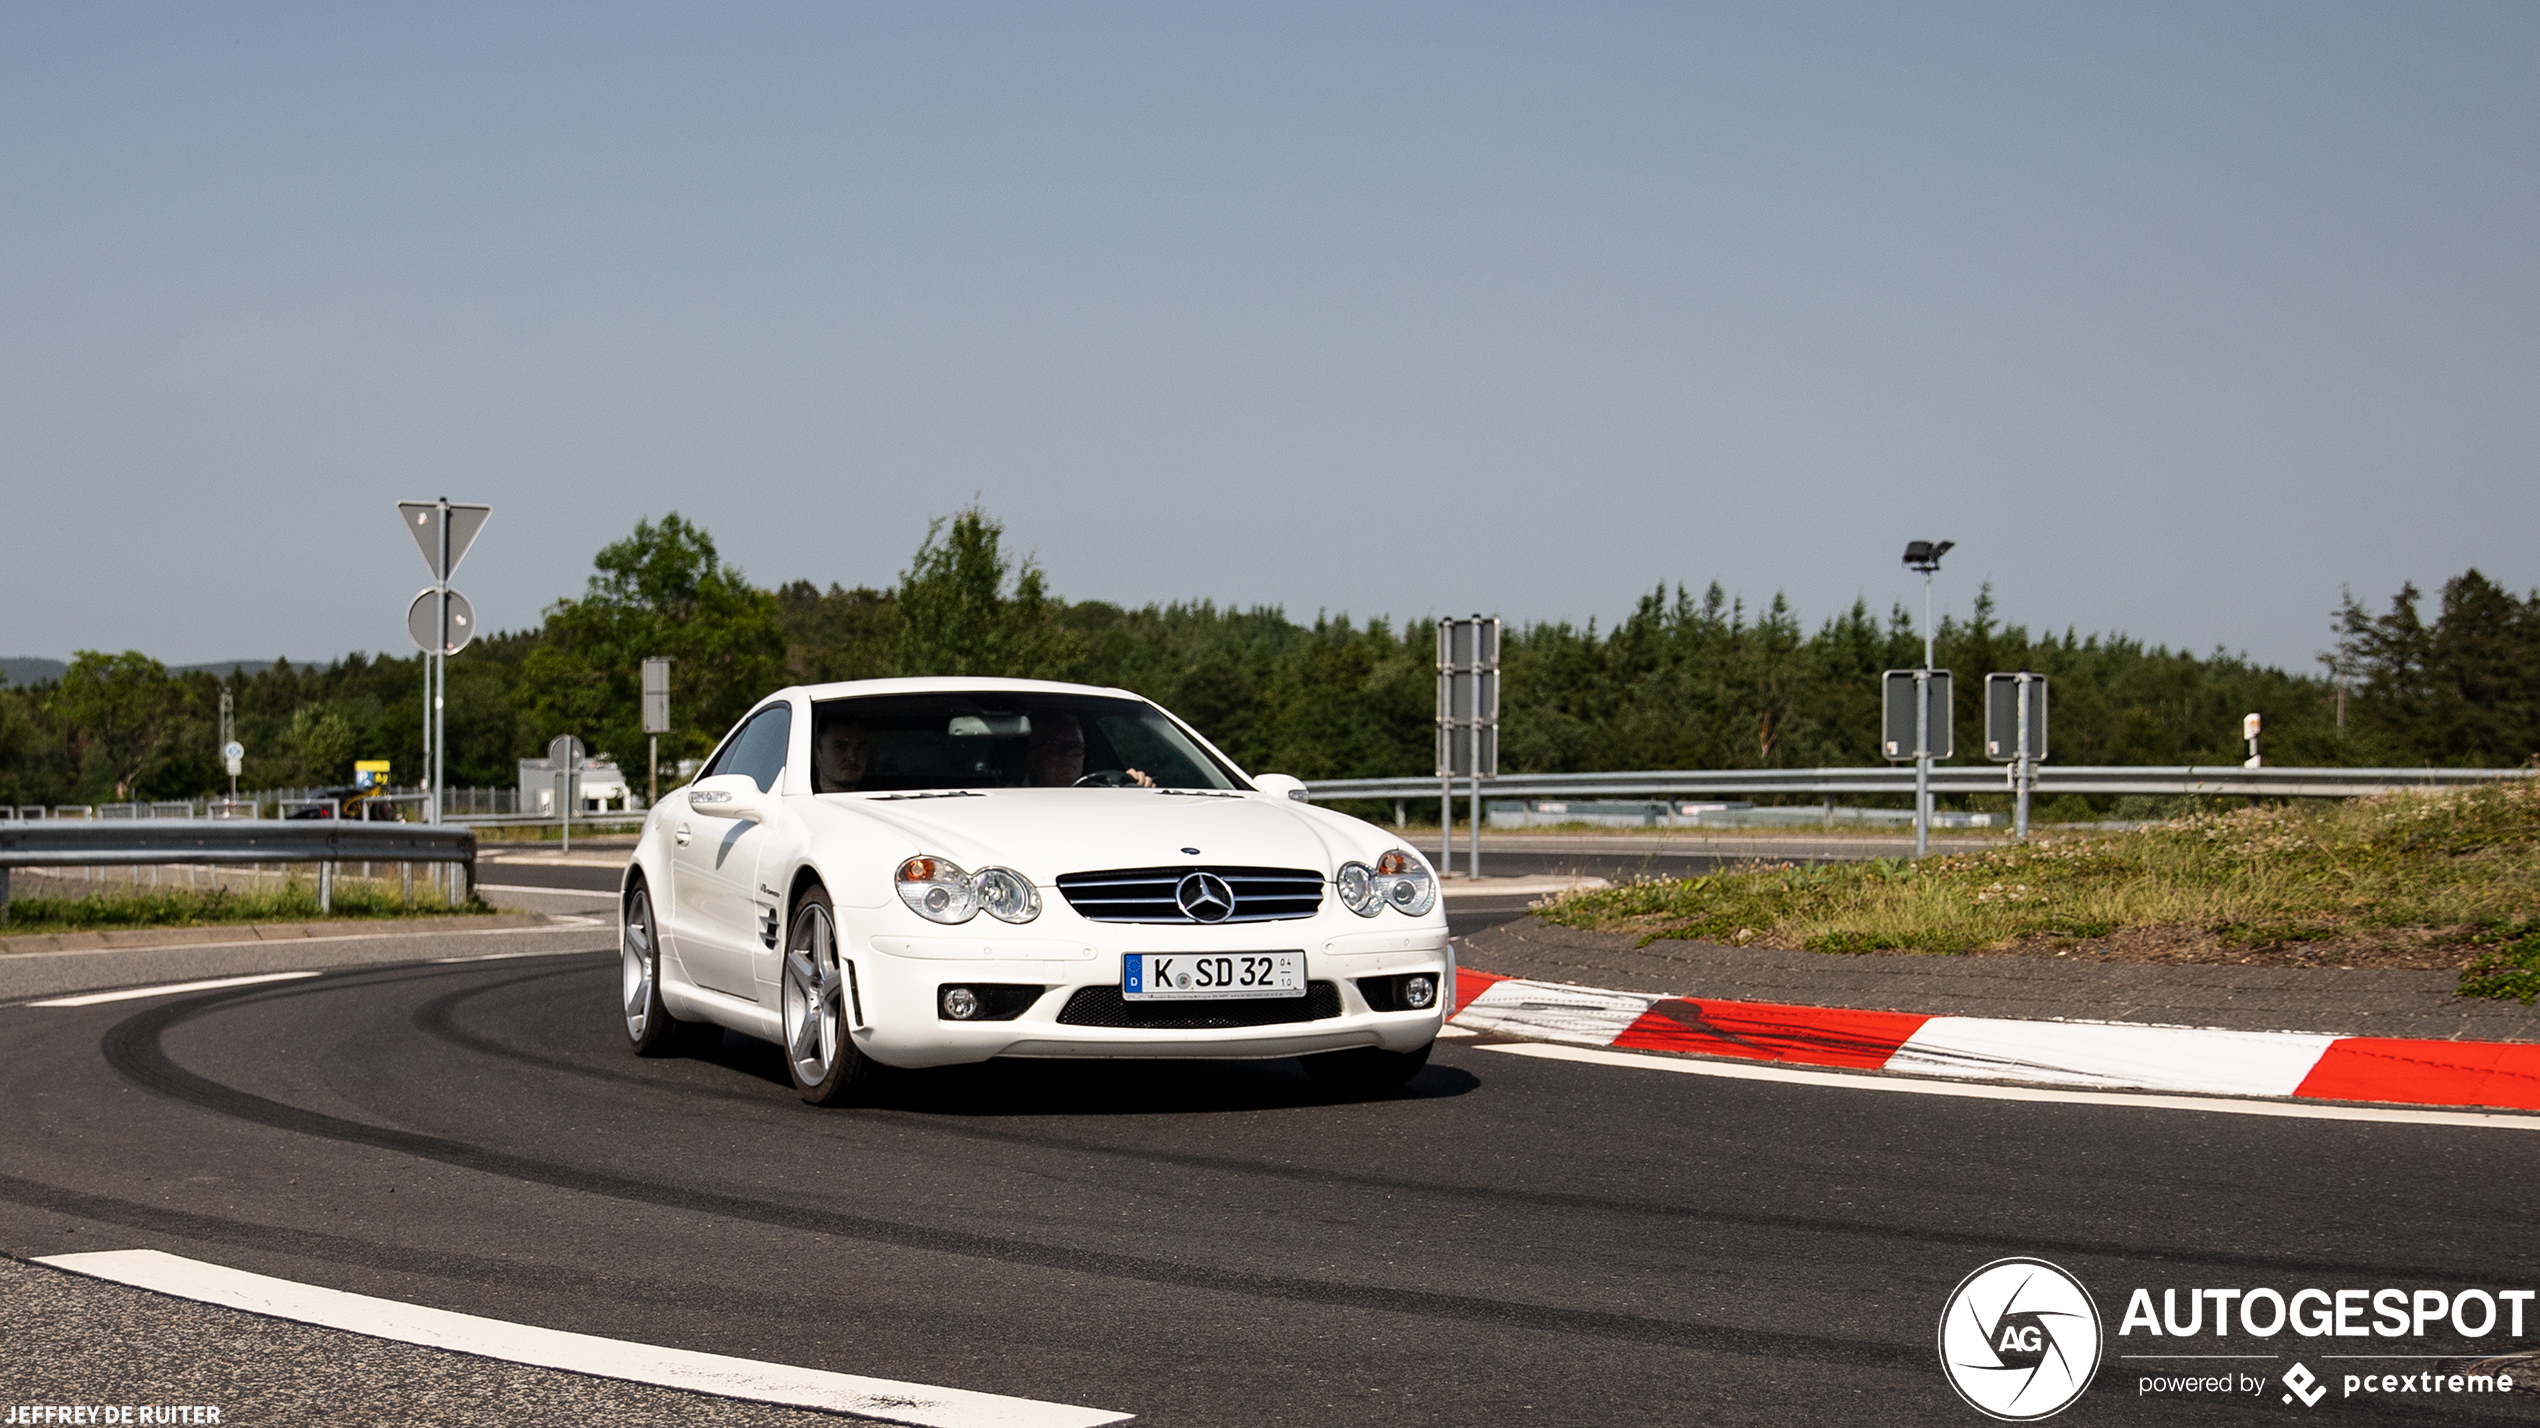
pixel 1147 894
pixel 1104 1006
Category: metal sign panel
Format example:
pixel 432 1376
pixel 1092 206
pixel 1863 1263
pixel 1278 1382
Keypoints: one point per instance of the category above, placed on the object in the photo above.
pixel 1896 715
pixel 421 519
pixel 565 751
pixel 1944 723
pixel 657 696
pixel 2002 715
pixel 423 622
pixel 1468 697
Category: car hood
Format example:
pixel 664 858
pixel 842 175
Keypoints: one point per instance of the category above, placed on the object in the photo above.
pixel 1044 832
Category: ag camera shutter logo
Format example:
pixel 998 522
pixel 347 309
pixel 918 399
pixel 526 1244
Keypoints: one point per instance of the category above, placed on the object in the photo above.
pixel 2020 1340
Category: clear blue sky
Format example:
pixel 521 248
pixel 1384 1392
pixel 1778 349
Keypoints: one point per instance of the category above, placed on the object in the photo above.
pixel 2177 318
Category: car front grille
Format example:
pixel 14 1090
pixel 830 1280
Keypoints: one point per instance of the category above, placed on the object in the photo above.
pixel 1147 894
pixel 1104 1006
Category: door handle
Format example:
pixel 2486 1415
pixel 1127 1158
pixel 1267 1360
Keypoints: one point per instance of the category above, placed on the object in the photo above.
pixel 683 835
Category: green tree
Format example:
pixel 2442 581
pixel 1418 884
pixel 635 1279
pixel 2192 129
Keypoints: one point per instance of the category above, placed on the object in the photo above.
pixel 322 741
pixel 662 591
pixel 116 711
pixel 2463 690
pixel 843 634
pixel 957 614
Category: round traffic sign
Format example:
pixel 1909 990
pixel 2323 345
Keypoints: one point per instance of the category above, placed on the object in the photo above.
pixel 233 750
pixel 423 622
pixel 565 751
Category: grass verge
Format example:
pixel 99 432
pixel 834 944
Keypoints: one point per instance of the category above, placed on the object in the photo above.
pixel 2458 869
pixel 206 907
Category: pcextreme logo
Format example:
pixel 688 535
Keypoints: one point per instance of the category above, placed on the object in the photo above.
pixel 2019 1340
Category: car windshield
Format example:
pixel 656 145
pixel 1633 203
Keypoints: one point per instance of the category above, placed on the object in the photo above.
pixel 897 743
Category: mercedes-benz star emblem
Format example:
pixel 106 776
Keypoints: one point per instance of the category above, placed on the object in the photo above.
pixel 1204 897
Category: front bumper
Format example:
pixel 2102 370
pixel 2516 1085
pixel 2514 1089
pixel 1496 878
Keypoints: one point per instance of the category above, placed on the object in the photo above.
pixel 898 978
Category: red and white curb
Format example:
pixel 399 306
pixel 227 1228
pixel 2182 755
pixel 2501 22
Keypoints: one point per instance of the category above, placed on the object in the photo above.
pixel 2103 1056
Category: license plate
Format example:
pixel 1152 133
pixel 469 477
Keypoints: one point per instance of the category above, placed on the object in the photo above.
pixel 1186 976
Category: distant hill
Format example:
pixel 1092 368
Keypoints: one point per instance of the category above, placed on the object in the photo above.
pixel 30 671
pixel 35 671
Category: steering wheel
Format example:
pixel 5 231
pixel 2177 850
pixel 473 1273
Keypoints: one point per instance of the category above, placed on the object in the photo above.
pixel 1103 778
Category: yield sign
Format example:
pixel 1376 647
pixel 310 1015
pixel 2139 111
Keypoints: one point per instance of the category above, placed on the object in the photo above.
pixel 422 521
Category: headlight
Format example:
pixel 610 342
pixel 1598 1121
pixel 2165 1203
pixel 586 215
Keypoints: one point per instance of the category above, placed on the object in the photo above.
pixel 1007 895
pixel 1404 885
pixel 939 891
pixel 1356 884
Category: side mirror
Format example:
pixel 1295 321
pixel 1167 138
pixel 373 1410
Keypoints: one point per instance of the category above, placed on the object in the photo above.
pixel 1275 784
pixel 729 796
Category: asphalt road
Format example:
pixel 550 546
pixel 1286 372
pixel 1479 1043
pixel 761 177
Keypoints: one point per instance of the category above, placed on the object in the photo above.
pixel 1508 1240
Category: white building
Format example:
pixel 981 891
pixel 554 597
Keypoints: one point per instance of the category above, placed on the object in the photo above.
pixel 603 787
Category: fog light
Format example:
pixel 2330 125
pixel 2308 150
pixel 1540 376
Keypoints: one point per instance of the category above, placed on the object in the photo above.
pixel 1419 992
pixel 961 1003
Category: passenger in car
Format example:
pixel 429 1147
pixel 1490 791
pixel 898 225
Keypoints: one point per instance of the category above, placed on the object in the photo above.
pixel 1055 753
pixel 838 756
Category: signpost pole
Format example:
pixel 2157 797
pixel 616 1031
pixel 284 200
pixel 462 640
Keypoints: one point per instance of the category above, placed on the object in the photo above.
pixel 564 756
pixel 423 774
pixel 441 660
pixel 1922 758
pixel 2020 803
pixel 1446 824
pixel 1446 749
pixel 656 700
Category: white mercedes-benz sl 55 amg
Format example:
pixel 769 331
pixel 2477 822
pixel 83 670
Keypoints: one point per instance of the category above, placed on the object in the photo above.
pixel 920 872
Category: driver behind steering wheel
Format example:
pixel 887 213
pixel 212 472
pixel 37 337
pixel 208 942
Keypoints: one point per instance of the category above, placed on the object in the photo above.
pixel 1055 754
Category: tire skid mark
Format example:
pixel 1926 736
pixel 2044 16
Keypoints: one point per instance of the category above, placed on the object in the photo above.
pixel 133 1048
pixel 436 1016
pixel 319 1245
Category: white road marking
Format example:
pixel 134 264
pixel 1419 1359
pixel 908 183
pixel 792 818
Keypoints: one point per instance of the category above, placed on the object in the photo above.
pixel 1874 1081
pixel 604 894
pixel 169 990
pixel 686 1369
pixel 515 956
pixel 556 922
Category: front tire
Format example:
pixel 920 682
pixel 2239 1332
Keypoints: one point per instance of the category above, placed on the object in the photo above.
pixel 1366 1068
pixel 650 1028
pixel 819 1053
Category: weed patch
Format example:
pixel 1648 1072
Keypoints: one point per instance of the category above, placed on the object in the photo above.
pixel 193 907
pixel 2459 868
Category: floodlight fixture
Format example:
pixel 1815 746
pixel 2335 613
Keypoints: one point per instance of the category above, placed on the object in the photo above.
pixel 1924 555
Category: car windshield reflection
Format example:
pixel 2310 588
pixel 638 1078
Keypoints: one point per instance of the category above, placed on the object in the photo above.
pixel 901 743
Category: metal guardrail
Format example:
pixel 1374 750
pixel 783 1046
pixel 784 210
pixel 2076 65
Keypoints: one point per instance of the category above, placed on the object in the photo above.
pixel 2172 780
pixel 141 842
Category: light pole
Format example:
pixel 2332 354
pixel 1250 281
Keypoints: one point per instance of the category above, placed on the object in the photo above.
pixel 1924 556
